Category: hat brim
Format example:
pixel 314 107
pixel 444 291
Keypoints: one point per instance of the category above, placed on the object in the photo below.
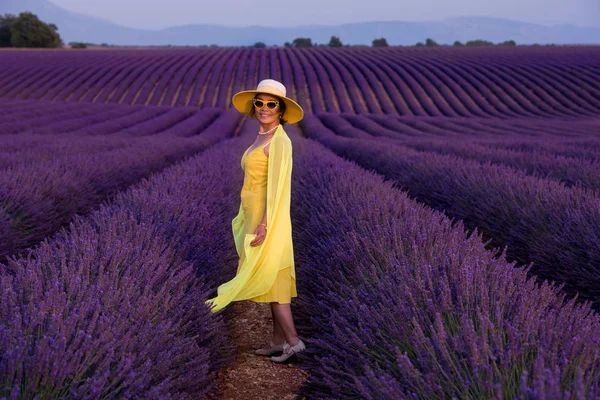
pixel 242 101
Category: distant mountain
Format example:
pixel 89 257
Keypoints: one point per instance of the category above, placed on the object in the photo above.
pixel 82 28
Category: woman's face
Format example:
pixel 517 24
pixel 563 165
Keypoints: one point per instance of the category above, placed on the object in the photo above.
pixel 265 115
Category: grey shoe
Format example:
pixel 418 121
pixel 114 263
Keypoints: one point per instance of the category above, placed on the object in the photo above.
pixel 269 351
pixel 289 351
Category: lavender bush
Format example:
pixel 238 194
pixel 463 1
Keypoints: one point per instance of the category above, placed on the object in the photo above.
pixel 572 171
pixel 18 150
pixel 113 307
pixel 396 301
pixel 583 148
pixel 28 125
pixel 557 228
pixel 41 197
pixel 14 110
pixel 72 124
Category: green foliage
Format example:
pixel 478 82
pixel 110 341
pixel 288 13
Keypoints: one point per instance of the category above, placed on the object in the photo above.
pixel 6 21
pixel 287 44
pixel 380 42
pixel 28 31
pixel 335 42
pixel 259 45
pixel 78 45
pixel 302 42
pixel 479 42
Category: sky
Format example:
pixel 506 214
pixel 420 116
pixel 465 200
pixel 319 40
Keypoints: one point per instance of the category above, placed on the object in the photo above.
pixel 159 14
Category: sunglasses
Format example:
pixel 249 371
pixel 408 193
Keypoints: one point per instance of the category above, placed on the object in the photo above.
pixel 271 105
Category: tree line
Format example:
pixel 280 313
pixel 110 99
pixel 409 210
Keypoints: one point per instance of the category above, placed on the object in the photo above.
pixel 335 41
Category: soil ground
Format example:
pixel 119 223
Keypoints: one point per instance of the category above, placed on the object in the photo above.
pixel 252 376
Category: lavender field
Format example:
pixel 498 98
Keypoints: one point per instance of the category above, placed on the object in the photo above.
pixel 445 205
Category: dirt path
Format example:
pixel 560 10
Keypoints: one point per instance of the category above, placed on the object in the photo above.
pixel 252 376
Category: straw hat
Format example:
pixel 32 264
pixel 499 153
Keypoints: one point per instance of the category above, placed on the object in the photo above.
pixel 242 101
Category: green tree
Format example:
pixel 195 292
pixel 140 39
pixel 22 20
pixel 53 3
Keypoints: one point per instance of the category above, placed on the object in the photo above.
pixel 479 42
pixel 380 42
pixel 6 21
pixel 302 42
pixel 457 43
pixel 508 43
pixel 259 45
pixel 335 42
pixel 78 45
pixel 28 31
pixel 430 42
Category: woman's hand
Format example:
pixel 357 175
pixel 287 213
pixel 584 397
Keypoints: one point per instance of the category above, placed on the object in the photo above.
pixel 260 233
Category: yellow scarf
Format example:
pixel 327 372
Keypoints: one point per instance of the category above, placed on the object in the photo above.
pixel 262 263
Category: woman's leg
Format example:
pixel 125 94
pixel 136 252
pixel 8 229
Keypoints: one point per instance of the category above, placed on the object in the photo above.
pixel 282 313
pixel 278 334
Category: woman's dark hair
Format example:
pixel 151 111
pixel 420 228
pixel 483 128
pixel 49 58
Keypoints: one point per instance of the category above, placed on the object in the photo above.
pixel 282 121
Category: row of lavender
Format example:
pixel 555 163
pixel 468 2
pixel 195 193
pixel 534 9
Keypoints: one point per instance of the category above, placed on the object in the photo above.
pixel 539 220
pixel 565 150
pixel 46 179
pixel 484 82
pixel 50 118
pixel 397 301
pixel 113 306
pixel 473 127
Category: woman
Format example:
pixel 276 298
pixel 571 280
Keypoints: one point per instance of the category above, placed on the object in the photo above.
pixel 262 229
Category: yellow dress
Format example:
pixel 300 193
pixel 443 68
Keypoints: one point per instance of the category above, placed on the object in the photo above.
pixel 265 272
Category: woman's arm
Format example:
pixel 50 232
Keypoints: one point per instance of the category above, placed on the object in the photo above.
pixel 261 229
pixel 264 219
pixel 280 160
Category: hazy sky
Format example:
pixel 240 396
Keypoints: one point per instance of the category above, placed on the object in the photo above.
pixel 157 14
